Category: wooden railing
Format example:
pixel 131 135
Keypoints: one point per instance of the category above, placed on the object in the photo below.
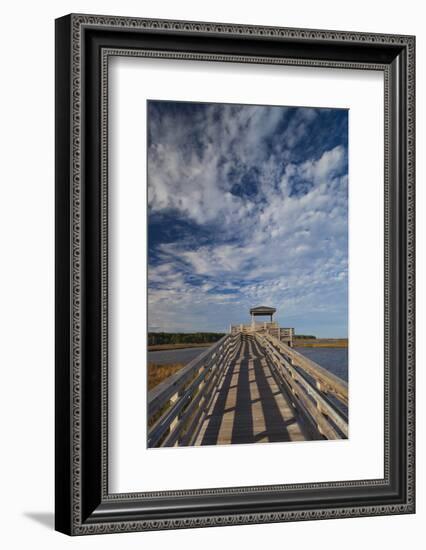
pixel 176 406
pixel 310 386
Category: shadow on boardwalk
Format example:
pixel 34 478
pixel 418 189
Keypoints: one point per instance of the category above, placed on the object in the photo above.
pixel 248 406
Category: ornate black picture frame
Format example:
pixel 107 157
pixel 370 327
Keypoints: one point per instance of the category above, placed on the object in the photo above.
pixel 83 45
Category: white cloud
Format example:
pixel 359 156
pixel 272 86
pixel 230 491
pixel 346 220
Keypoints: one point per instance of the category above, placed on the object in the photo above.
pixel 322 169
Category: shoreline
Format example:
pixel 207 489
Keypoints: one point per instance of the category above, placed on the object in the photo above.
pixel 166 347
pixel 302 343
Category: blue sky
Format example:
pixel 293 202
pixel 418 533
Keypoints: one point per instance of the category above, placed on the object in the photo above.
pixel 247 206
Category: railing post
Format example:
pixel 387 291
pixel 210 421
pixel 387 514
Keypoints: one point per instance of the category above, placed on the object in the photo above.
pixel 176 420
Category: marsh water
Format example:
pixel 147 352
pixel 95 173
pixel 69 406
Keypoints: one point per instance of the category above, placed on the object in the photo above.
pixel 165 356
pixel 333 359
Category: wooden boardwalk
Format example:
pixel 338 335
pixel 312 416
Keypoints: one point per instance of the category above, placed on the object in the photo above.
pixel 248 405
pixel 247 388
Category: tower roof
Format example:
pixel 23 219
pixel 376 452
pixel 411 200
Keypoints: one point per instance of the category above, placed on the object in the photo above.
pixel 262 310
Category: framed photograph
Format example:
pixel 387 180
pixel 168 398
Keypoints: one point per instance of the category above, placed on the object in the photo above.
pixel 234 274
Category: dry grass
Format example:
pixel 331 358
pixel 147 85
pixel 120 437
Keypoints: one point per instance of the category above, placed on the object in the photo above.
pixel 321 342
pixel 157 373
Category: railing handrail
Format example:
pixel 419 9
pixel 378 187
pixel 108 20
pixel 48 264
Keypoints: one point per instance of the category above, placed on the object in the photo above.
pixel 304 390
pixel 166 389
pixel 332 382
pixel 193 404
pixel 182 398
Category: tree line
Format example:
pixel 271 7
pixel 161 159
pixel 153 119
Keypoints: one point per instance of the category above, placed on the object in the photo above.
pixel 156 338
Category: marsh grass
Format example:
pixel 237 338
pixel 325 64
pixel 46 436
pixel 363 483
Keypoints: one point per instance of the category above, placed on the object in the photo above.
pixel 320 342
pixel 157 373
